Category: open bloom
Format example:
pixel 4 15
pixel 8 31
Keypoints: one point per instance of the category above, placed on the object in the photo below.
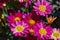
pixel 16 17
pixel 19 28
pixel 50 19
pixel 43 30
pixel 56 34
pixel 31 19
pixel 31 22
pixel 43 8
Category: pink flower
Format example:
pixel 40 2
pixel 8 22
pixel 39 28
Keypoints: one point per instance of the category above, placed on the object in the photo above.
pixel 31 19
pixel 56 34
pixel 16 17
pixel 43 31
pixel 43 8
pixel 19 28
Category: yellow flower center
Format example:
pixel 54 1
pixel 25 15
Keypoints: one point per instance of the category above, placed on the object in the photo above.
pixel 42 31
pixel 16 18
pixel 19 28
pixel 42 8
pixel 56 35
pixel 32 22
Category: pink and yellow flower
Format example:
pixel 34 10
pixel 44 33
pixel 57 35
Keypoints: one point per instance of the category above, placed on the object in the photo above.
pixel 56 34
pixel 19 28
pixel 16 17
pixel 30 19
pixel 43 30
pixel 43 8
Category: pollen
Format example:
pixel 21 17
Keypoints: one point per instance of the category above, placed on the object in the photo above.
pixel 56 35
pixel 19 28
pixel 16 18
pixel 42 8
pixel 42 31
pixel 31 22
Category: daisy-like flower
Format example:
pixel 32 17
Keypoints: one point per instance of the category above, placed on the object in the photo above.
pixel 16 17
pixel 19 28
pixel 30 19
pixel 43 8
pixel 56 34
pixel 50 19
pixel 43 31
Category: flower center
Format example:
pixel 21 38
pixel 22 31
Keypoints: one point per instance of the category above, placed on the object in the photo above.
pixel 42 31
pixel 19 28
pixel 16 18
pixel 56 34
pixel 42 8
pixel 32 22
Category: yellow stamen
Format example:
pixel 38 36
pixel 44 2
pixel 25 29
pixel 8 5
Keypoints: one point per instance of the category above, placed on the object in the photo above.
pixel 56 34
pixel 32 22
pixel 16 18
pixel 19 28
pixel 42 31
pixel 42 8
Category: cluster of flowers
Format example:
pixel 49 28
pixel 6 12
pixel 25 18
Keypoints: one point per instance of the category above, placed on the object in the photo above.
pixel 21 23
